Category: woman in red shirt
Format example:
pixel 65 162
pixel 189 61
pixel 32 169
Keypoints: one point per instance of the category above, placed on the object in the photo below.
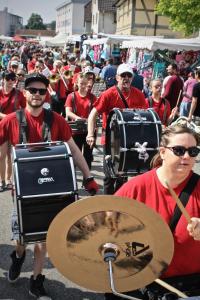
pixel 159 104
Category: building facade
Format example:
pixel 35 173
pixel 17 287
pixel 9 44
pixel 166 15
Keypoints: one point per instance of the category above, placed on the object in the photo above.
pixel 103 16
pixel 137 17
pixel 9 23
pixel 70 17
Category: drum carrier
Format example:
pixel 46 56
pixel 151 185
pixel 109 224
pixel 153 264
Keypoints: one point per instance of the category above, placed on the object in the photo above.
pixel 132 139
pixel 44 183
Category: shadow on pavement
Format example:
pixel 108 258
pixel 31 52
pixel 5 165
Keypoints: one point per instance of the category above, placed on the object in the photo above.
pixel 55 289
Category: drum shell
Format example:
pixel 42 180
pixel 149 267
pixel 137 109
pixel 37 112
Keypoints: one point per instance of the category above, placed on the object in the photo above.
pixel 45 183
pixel 125 128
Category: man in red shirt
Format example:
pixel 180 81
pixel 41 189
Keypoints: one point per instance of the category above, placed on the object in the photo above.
pixel 78 106
pixel 11 99
pixel 110 99
pixel 35 91
pixel 173 87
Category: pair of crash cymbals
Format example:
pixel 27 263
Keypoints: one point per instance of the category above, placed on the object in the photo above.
pixel 82 235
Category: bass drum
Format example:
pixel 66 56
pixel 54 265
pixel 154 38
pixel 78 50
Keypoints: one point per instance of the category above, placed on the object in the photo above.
pixel 132 139
pixel 45 183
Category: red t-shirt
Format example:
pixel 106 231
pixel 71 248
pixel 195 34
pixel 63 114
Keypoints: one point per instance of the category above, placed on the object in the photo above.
pixel 147 188
pixel 15 98
pixel 76 70
pixel 172 89
pixel 159 108
pixel 83 105
pixel 9 128
pixel 110 99
pixel 31 65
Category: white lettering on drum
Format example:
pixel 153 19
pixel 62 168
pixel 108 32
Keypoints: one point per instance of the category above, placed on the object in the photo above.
pixel 45 180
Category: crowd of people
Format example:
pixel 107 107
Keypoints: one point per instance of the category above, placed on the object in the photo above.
pixel 36 79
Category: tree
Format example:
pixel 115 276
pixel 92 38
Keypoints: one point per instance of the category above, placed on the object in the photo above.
pixel 53 25
pixel 35 22
pixel 184 15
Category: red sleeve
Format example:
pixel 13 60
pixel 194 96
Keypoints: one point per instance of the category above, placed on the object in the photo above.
pixel 68 102
pixel 60 130
pixel 168 86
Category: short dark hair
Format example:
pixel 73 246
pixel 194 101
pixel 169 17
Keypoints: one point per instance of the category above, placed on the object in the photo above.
pixel 197 72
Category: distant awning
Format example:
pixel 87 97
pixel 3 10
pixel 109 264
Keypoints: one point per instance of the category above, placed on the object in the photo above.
pixel 18 38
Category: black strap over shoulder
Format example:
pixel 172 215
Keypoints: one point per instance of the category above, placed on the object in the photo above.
pixel 46 127
pixel 74 108
pixel 122 97
pixel 74 103
pixel 184 197
pixel 163 101
pixel 23 126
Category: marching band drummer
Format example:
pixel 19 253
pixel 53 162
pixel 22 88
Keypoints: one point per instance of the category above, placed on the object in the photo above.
pixel 121 96
pixel 78 106
pixel 10 128
pixel 173 164
pixel 11 99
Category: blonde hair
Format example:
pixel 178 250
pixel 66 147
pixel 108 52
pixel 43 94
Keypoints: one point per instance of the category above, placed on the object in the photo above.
pixel 167 134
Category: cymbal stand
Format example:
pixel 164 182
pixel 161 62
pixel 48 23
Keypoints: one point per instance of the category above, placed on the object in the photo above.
pixel 109 257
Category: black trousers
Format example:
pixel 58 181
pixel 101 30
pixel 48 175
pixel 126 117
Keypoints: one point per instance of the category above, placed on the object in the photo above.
pixel 80 140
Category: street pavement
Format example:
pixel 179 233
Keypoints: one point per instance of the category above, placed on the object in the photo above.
pixel 57 286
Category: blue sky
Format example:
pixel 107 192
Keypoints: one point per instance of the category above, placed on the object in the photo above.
pixel 24 8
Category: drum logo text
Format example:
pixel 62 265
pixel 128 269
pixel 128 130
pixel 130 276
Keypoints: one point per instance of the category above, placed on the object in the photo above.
pixel 45 172
pixel 45 180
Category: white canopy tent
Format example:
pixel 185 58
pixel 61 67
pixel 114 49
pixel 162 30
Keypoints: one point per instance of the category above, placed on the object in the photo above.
pixel 58 41
pixel 115 39
pixel 61 39
pixel 162 44
pixel 5 38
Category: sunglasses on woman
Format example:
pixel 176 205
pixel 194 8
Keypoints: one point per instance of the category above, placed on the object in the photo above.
pixel 33 91
pixel 180 150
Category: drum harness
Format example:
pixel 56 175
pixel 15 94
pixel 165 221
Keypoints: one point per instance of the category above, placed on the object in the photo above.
pixel 163 101
pixel 140 148
pixel 23 126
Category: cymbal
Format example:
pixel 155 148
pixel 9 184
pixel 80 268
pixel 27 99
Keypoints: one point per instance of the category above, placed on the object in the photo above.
pixel 80 236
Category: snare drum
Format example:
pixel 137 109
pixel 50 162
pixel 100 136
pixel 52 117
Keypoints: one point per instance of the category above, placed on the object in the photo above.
pixel 132 139
pixel 45 183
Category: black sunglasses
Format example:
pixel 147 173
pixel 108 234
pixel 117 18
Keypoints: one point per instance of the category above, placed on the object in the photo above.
pixel 123 75
pixel 33 91
pixel 180 150
pixel 7 78
pixel 20 75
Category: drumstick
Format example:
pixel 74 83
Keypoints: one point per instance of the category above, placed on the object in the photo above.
pixel 178 202
pixel 179 97
pixel 171 288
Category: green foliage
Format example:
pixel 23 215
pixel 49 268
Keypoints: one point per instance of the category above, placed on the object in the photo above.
pixel 35 22
pixel 53 25
pixel 184 15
